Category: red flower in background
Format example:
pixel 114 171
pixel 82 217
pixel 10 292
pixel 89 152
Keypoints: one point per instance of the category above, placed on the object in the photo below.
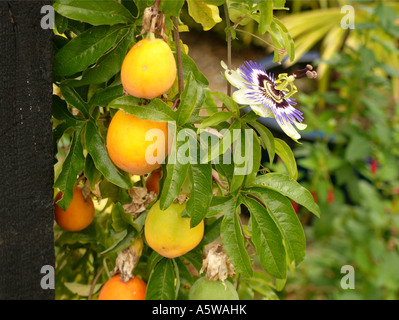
pixel 330 195
pixel 373 166
pixel 295 206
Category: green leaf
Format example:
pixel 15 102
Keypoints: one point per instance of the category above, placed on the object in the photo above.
pixel 289 44
pixel 74 99
pixel 189 66
pixel 205 14
pixel 84 50
pixel 212 230
pixel 184 274
pixel 124 239
pixel 220 205
pixel 152 261
pixel 249 117
pixel 58 132
pixel 120 220
pixel 285 153
pixel 192 97
pixel 265 15
pixel 171 7
pixel 255 158
pixel 290 188
pixel 176 172
pixel 161 285
pixel 82 290
pixel 262 283
pixel 233 241
pixel 91 172
pixel 155 110
pixel 266 138
pixel 103 96
pixel 215 119
pixel 210 105
pixel 142 4
pixel 85 236
pixel 201 192
pixel 215 2
pixel 284 216
pixel 195 258
pixel 109 64
pixel 95 146
pixel 60 111
pixel 267 239
pixel 241 159
pixel 228 102
pixel 229 137
pixel 60 23
pixel 358 148
pixel 107 12
pixel 72 166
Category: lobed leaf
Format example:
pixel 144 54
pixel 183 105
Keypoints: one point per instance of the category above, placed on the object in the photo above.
pixel 72 166
pixel 176 172
pixel 74 99
pixel 84 50
pixel 192 98
pixel 233 240
pixel 267 239
pixel 290 188
pixel 161 285
pixel 284 216
pixel 286 155
pixel 155 110
pixel 266 139
pixel 104 12
pixel 201 192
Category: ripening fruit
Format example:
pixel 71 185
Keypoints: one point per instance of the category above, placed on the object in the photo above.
pixel 203 289
pixel 168 233
pixel 116 289
pixel 152 182
pixel 78 215
pixel 149 69
pixel 127 145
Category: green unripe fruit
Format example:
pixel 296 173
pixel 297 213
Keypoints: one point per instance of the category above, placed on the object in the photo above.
pixel 204 289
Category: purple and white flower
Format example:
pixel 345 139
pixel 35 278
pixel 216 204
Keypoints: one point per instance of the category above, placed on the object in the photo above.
pixel 256 88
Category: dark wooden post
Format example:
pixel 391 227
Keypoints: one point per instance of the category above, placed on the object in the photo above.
pixel 26 154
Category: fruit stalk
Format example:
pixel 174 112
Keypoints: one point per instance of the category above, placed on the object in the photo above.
pixel 178 54
pixel 226 11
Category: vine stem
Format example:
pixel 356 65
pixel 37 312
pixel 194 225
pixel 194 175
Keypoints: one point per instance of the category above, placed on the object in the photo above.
pixel 178 54
pixel 94 282
pixel 156 5
pixel 228 25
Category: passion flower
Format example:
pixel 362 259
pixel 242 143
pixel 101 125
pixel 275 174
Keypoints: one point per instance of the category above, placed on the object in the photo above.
pixel 267 96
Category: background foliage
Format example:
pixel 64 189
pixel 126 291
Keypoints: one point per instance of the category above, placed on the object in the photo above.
pixel 349 164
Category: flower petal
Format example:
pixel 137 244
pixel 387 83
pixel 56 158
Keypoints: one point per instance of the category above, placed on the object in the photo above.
pixel 259 110
pixel 234 77
pixel 289 130
pixel 241 97
pixel 300 126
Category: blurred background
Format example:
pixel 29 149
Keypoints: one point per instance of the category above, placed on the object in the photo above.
pixel 349 154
